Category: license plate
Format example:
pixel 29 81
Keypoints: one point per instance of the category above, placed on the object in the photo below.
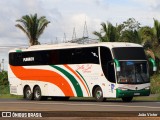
pixel 136 93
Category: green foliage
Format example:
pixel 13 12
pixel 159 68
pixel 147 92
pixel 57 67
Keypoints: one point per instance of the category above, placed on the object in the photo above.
pixel 4 78
pixel 130 36
pixel 4 84
pixel 33 27
pixel 146 34
pixel 131 24
pixel 157 30
pixel 128 31
pixel 108 33
pixel 155 84
pixel 4 89
pixel 125 32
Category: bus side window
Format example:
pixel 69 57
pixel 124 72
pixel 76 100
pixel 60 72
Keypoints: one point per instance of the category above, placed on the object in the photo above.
pixel 54 57
pixel 65 56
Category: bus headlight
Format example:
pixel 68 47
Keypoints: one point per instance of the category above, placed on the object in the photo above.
pixel 147 88
pixel 123 89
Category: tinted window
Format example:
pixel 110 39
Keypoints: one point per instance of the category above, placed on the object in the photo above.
pixel 129 53
pixel 54 57
pixel 85 55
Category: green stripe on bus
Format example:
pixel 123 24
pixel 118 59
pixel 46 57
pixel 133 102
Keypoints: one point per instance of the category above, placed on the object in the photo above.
pixel 18 50
pixel 84 81
pixel 72 79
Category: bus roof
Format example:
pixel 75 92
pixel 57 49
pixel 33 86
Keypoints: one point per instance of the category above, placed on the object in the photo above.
pixel 75 45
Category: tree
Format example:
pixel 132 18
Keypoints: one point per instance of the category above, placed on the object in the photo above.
pixel 157 30
pixel 146 34
pixel 130 36
pixel 33 27
pixel 131 24
pixel 4 78
pixel 108 33
pixel 128 31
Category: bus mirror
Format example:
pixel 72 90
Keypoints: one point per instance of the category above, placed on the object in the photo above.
pixel 153 63
pixel 117 65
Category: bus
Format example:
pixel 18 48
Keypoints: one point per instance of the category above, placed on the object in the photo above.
pixel 102 70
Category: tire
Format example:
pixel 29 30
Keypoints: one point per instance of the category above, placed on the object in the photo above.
pixel 37 93
pixel 28 93
pixel 127 99
pixel 98 94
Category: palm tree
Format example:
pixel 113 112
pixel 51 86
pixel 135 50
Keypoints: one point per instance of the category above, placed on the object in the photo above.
pixel 157 30
pixel 33 27
pixel 108 33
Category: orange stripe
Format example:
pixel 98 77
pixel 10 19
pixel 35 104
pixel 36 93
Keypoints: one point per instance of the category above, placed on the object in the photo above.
pixel 77 77
pixel 43 75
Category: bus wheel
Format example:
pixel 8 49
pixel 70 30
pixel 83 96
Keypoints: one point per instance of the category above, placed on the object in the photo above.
pixel 28 94
pixel 127 99
pixel 98 94
pixel 37 93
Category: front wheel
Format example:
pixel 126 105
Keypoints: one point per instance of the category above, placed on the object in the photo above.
pixel 98 94
pixel 127 99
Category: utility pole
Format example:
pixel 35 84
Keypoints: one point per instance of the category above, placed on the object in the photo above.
pixel 74 34
pixel 64 38
pixel 85 31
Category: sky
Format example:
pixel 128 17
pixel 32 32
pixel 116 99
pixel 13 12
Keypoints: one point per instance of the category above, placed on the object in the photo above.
pixel 65 15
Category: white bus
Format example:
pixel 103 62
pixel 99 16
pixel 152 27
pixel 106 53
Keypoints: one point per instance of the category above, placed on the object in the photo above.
pixel 102 70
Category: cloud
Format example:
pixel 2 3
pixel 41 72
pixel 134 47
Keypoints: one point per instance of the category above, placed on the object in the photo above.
pixel 151 4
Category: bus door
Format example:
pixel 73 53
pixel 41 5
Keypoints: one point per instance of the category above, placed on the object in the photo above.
pixel 111 78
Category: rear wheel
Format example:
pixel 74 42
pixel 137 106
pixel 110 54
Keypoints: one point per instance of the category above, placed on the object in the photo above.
pixel 28 93
pixel 98 94
pixel 37 93
pixel 127 99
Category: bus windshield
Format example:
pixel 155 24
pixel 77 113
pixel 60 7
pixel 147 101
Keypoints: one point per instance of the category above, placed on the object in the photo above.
pixel 133 72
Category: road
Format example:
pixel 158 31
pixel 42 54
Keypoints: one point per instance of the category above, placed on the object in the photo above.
pixel 84 108
pixel 77 105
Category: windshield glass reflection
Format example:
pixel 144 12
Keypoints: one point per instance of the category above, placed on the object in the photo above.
pixel 133 72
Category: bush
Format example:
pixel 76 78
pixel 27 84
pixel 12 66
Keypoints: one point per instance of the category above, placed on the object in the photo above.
pixel 4 89
pixel 155 84
pixel 4 84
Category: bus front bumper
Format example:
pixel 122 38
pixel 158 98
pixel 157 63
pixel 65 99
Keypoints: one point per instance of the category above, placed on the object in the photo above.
pixel 132 93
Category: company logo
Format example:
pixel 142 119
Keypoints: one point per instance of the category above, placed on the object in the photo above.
pixel 28 59
pixel 21 114
pixel 6 114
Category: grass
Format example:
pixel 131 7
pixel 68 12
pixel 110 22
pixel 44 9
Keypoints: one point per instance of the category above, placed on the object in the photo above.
pixel 146 98
pixel 9 96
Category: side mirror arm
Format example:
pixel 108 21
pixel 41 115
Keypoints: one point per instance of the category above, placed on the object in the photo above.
pixel 153 63
pixel 117 65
